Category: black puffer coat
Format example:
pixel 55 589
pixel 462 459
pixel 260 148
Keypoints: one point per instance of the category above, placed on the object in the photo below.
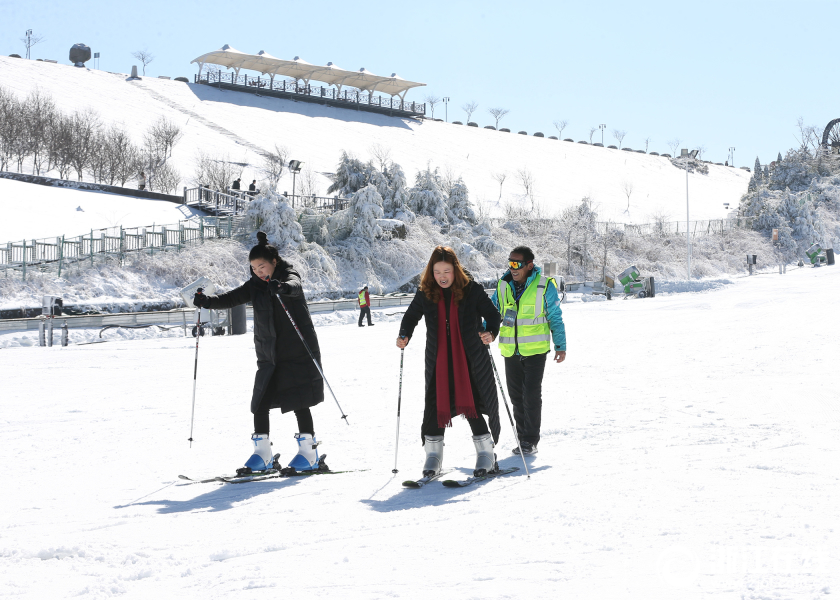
pixel 474 305
pixel 286 374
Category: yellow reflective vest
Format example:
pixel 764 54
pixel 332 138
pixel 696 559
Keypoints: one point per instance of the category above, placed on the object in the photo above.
pixel 531 332
pixel 362 301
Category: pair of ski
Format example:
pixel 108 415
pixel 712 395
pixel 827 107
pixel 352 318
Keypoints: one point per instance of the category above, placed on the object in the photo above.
pixel 418 483
pixel 275 473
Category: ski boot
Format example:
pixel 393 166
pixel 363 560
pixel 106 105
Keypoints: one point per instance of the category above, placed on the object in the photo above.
pixel 307 458
pixel 485 459
pixel 434 455
pixel 261 459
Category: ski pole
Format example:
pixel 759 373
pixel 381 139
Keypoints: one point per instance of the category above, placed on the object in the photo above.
pixel 512 424
pixel 399 402
pixel 305 345
pixel 195 369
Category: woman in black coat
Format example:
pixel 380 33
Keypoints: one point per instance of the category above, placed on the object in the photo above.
pixel 287 377
pixel 459 378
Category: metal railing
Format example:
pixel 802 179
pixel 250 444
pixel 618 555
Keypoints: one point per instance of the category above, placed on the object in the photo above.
pixel 116 242
pixel 231 203
pixel 665 228
pixel 348 96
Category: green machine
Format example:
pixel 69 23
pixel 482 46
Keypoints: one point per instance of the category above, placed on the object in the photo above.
pixel 818 256
pixel 635 285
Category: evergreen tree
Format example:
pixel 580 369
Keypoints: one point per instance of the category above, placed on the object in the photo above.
pixel 427 197
pixel 757 169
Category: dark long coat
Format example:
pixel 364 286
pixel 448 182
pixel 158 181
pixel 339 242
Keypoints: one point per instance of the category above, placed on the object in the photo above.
pixel 474 306
pixel 286 375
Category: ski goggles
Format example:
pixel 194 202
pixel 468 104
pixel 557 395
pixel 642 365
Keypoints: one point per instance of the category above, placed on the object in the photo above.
pixel 517 264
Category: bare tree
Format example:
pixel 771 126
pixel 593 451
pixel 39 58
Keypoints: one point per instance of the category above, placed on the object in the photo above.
pixel 560 125
pixel 592 131
pixel 498 114
pixel 526 178
pixel 500 179
pixel 274 164
pixel 618 134
pixel 308 182
pixel 432 101
pixel 85 127
pixel 30 40
pixel 145 57
pixel 382 155
pixel 215 172
pixel 39 113
pixel 809 136
pixel 166 134
pixel 674 144
pixel 570 222
pixel 700 150
pixel 60 146
pixel 469 108
pixel 647 143
pixel 606 240
pixel 167 178
pixel 627 188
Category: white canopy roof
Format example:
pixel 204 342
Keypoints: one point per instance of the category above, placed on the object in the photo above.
pixel 300 69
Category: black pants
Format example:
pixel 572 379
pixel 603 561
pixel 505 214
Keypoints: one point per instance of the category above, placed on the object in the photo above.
pixel 365 311
pixel 524 375
pixel 304 419
pixel 430 421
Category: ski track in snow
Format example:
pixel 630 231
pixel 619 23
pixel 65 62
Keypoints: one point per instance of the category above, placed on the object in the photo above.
pixel 689 450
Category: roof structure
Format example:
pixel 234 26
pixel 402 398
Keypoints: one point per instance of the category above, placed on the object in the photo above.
pixel 299 69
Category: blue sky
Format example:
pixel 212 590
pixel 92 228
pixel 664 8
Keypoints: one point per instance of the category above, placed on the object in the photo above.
pixel 716 74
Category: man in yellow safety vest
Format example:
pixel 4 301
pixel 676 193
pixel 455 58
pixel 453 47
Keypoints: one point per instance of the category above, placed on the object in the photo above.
pixel 363 302
pixel 530 307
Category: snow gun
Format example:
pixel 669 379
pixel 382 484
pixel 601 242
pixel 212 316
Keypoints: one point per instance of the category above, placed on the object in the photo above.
pixel 818 256
pixel 635 285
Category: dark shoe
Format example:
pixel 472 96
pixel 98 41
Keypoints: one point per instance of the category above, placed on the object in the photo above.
pixel 528 449
pixel 371 324
pixel 361 325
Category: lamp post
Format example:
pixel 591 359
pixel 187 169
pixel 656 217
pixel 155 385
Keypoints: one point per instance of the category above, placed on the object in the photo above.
pixel 294 167
pixel 732 155
pixel 446 108
pixel 28 39
pixel 692 154
pixel 602 126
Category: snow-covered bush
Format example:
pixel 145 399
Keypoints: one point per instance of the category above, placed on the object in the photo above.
pixel 365 208
pixel 428 197
pixel 272 214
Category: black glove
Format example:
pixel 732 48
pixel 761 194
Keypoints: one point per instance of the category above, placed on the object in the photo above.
pixel 278 287
pixel 200 300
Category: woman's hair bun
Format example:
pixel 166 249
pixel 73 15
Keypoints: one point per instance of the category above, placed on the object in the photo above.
pixel 262 238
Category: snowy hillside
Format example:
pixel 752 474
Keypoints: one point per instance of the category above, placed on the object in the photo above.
pixel 37 211
pixel 696 458
pixel 240 126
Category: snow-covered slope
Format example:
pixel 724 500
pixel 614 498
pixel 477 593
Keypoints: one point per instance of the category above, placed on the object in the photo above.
pixel 36 211
pixel 241 125
pixel 696 458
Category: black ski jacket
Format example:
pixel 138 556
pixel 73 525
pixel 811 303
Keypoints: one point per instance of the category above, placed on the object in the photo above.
pixel 474 305
pixel 286 375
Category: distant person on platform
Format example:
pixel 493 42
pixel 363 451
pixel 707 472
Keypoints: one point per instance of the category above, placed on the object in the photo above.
pixel 252 189
pixel 363 301
pixel 141 182
pixel 235 185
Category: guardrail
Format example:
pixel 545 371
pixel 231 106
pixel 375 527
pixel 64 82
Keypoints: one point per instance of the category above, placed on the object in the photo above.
pixel 346 98
pixel 697 228
pixel 117 243
pixel 183 316
pixel 216 202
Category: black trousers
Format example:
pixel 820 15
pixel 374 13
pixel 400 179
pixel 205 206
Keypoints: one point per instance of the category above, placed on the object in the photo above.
pixel 304 419
pixel 524 375
pixel 430 422
pixel 365 311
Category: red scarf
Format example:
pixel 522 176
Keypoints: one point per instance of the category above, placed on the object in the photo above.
pixel 464 402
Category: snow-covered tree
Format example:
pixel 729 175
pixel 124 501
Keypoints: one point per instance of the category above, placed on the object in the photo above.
pixel 351 176
pixel 459 207
pixel 365 208
pixel 757 169
pixel 428 197
pixel 272 214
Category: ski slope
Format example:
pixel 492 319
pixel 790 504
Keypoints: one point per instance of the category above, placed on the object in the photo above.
pixel 36 211
pixel 240 126
pixel 694 458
